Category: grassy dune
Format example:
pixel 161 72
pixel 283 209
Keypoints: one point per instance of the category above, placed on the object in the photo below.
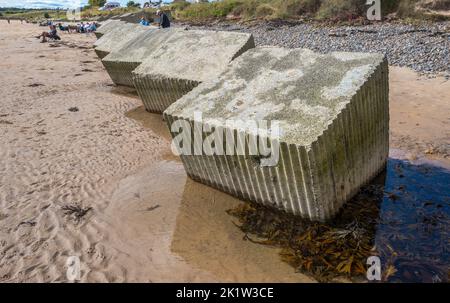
pixel 299 9
pixel 325 10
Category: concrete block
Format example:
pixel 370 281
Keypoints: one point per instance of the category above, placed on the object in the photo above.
pixel 186 59
pixel 107 26
pixel 131 17
pixel 333 112
pixel 122 61
pixel 115 38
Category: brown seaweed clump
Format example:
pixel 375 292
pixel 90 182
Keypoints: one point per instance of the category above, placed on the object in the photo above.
pixel 324 250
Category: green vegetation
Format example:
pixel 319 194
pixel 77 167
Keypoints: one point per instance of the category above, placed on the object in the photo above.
pixel 31 14
pixel 97 3
pixel 247 10
pixel 341 9
pixel 335 10
pixel 133 4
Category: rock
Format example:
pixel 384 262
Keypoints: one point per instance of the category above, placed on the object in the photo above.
pixel 333 111
pixel 186 59
pixel 116 37
pixel 123 60
pixel 107 26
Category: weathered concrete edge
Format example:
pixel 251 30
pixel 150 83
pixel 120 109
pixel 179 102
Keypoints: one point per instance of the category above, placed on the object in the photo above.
pixel 101 54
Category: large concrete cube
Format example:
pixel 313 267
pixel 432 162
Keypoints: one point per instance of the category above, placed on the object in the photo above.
pixel 333 115
pixel 186 59
pixel 117 37
pixel 107 26
pixel 122 61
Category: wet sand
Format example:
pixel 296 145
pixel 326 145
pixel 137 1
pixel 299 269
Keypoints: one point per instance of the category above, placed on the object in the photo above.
pixel 148 221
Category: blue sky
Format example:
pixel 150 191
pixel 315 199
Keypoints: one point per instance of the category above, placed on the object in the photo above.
pixel 54 3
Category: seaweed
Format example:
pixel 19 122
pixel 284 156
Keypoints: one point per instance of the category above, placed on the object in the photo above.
pixel 327 250
pixel 75 212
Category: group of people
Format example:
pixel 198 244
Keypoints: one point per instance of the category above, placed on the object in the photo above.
pixel 86 27
pixel 90 27
pixel 82 27
pixel 79 28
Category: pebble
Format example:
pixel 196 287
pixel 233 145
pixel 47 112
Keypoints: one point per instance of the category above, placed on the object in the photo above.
pixel 424 48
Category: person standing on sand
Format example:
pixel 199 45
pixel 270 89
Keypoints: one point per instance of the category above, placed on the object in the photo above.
pixel 163 19
pixel 9 21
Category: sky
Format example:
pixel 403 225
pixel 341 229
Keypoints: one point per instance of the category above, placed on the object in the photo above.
pixel 54 3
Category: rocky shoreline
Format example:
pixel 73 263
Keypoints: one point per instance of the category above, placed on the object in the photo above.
pixel 423 48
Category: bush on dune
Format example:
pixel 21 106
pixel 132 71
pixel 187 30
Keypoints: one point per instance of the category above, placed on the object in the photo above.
pixel 341 9
pixel 292 8
pixel 407 8
pixel 435 4
pixel 204 10
pixel 271 9
pixel 264 9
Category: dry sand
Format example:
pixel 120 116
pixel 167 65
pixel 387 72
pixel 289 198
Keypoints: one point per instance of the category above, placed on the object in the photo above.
pixel 148 221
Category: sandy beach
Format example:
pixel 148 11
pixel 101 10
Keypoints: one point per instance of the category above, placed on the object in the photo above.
pixel 69 137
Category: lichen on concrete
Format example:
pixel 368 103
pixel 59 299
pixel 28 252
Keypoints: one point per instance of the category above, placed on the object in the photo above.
pixel 184 60
pixel 333 114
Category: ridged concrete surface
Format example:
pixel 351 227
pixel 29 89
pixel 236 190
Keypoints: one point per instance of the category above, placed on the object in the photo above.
pixel 184 60
pixel 158 93
pixel 123 60
pixel 335 119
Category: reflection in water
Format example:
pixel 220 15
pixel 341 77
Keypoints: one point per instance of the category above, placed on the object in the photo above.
pixel 408 222
pixel 190 235
pixel 413 230
pixel 206 237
